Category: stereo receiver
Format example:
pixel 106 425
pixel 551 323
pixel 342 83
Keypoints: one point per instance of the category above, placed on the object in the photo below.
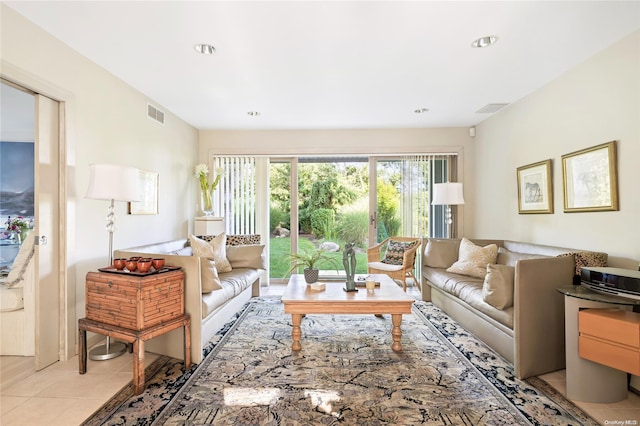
pixel 615 281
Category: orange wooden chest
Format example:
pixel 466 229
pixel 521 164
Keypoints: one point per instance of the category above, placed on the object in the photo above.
pixel 134 302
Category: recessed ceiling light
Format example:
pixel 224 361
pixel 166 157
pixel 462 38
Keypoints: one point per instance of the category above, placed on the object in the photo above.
pixel 484 41
pixel 205 49
pixel 421 110
pixel 253 113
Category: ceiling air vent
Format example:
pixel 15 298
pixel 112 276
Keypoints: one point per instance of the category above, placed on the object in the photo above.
pixel 155 114
pixel 491 108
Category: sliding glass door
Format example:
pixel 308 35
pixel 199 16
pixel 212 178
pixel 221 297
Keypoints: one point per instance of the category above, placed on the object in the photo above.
pixel 326 202
pixel 400 196
pixel 308 203
pixel 318 202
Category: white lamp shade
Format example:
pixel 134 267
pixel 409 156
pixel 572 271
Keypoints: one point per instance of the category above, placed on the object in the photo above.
pixel 449 193
pixel 113 182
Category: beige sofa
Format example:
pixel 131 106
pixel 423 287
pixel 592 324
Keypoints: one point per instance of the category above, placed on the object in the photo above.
pixel 210 310
pixel 530 332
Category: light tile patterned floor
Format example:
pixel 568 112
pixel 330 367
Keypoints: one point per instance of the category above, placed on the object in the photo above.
pixel 58 395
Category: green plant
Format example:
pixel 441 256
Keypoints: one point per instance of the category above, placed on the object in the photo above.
pixel 353 227
pixel 310 259
pixel 322 220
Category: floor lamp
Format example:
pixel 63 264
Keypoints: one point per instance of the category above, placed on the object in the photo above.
pixel 448 194
pixel 112 183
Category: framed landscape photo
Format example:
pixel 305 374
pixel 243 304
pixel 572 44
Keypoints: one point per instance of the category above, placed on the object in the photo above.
pixel 148 187
pixel 590 179
pixel 535 194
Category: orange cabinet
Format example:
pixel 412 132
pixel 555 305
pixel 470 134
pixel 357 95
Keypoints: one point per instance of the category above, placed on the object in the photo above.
pixel 610 337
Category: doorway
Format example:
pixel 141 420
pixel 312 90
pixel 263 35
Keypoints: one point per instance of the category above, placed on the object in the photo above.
pixel 32 119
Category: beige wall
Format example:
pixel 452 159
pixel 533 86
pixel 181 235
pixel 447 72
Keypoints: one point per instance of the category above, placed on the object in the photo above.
pixel 106 122
pixel 596 102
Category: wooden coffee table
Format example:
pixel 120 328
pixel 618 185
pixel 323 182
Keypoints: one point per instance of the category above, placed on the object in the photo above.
pixel 299 299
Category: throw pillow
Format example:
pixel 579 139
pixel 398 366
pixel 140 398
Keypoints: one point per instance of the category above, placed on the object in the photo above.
pixel 247 256
pixel 395 251
pixel 244 239
pixel 209 275
pixel 214 249
pixel 473 259
pixel 587 258
pixel 441 253
pixel 497 289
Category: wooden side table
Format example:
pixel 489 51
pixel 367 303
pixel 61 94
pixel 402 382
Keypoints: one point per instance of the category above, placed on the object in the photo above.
pixel 589 381
pixel 137 338
pixel 134 308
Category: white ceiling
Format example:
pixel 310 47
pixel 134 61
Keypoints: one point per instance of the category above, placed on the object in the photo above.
pixel 317 65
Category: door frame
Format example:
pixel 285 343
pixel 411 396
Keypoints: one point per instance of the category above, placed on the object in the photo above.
pixel 66 287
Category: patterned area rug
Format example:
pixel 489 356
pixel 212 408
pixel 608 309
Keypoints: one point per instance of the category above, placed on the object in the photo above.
pixel 346 373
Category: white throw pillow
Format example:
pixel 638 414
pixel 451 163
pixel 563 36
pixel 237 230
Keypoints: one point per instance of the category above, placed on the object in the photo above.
pixel 247 256
pixel 214 249
pixel 497 289
pixel 209 275
pixel 473 259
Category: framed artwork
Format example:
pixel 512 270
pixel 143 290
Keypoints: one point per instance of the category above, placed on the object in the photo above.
pixel 148 186
pixel 535 194
pixel 590 179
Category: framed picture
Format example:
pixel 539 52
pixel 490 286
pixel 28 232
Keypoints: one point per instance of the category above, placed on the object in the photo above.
pixel 535 193
pixel 590 179
pixel 148 186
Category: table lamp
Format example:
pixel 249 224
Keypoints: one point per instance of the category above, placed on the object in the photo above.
pixel 112 183
pixel 448 194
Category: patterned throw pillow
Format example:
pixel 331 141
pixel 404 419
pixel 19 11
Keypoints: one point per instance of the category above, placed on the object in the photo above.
pixel 214 249
pixel 244 239
pixel 395 251
pixel 235 240
pixel 473 259
pixel 587 258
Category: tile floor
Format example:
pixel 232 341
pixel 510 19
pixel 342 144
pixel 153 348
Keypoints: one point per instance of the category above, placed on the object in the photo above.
pixel 58 395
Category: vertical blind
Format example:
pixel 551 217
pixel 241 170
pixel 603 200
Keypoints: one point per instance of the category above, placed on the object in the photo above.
pixel 237 193
pixel 419 217
pixel 420 172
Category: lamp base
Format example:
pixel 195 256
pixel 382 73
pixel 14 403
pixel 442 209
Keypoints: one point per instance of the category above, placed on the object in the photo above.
pixel 108 351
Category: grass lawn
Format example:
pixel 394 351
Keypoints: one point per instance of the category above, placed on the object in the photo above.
pixel 281 247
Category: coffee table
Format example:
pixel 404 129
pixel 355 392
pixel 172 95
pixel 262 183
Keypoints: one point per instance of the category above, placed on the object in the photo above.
pixel 299 299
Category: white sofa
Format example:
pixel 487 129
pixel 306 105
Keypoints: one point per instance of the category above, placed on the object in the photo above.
pixel 530 332
pixel 210 310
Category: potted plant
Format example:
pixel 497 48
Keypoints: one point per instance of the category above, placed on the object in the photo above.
pixel 309 260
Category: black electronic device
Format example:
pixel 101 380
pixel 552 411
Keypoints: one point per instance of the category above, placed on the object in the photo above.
pixel 615 281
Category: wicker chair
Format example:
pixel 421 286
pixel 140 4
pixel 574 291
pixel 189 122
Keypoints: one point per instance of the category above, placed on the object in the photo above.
pixel 396 272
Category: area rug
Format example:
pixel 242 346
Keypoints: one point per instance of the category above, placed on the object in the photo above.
pixel 346 373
